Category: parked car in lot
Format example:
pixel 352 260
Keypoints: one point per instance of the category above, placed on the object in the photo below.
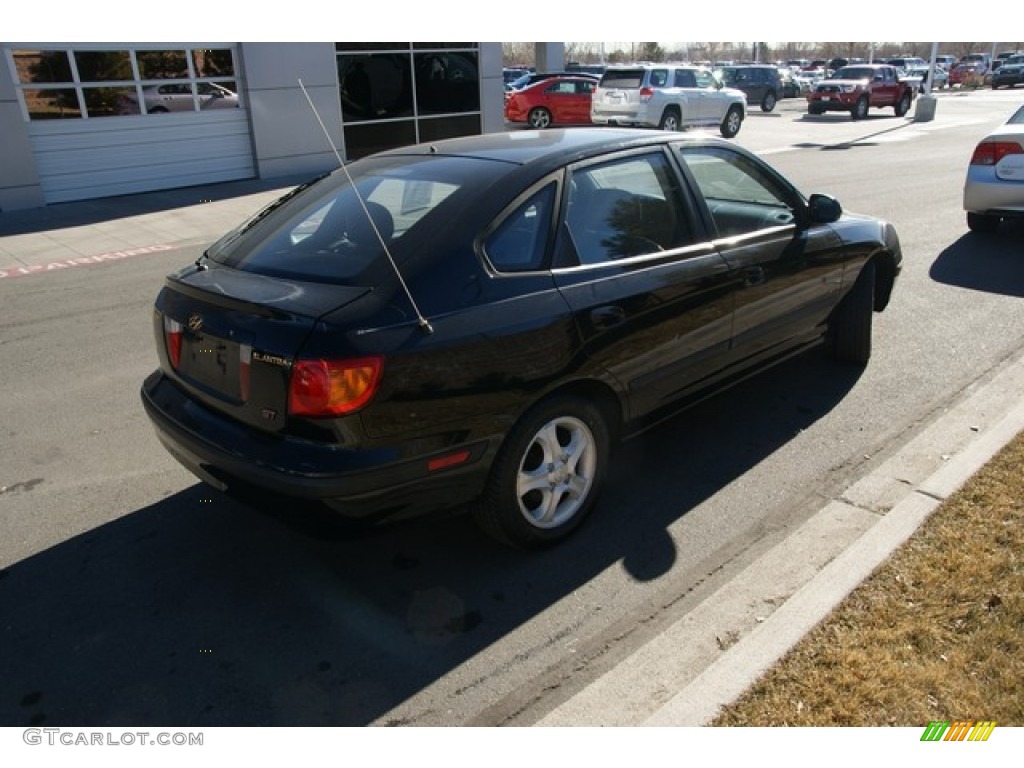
pixel 858 87
pixel 994 188
pixel 760 83
pixel 520 302
pixel 1009 74
pixel 555 101
pixel 669 97
pixel 919 74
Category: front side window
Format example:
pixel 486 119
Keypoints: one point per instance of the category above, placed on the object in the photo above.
pixel 741 197
pixel 624 208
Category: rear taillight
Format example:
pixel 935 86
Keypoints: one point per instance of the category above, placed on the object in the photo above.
pixel 991 152
pixel 172 339
pixel 332 387
pixel 646 94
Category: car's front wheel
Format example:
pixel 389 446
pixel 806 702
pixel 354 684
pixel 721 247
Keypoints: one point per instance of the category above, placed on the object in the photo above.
pixel 732 122
pixel 769 102
pixel 851 323
pixel 903 106
pixel 860 109
pixel 547 475
pixel 539 118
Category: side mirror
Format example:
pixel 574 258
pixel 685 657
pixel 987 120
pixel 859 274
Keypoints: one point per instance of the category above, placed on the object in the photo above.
pixel 824 209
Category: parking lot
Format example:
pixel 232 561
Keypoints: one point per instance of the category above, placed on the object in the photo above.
pixel 131 594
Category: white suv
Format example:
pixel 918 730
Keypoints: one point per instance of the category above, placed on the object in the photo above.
pixel 667 96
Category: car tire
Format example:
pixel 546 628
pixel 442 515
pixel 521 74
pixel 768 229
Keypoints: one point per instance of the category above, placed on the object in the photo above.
pixel 670 120
pixel 903 105
pixel 769 101
pixel 539 118
pixel 860 109
pixel 547 475
pixel 815 109
pixel 979 222
pixel 732 122
pixel 851 323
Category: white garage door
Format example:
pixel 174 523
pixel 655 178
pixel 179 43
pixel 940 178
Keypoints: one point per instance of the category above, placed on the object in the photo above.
pixel 78 160
pixel 111 119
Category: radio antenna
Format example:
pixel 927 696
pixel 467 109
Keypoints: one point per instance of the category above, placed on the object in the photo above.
pixel 423 322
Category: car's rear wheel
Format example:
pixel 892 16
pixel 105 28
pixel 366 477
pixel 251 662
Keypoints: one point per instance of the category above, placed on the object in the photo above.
pixel 903 106
pixel 851 323
pixel 547 475
pixel 539 118
pixel 979 222
pixel 769 102
pixel 670 120
pixel 732 122
pixel 860 109
pixel 815 109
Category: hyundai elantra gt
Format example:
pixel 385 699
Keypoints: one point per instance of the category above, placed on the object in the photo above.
pixel 481 319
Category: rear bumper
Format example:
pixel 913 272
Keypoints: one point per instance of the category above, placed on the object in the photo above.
pixel 377 483
pixel 985 193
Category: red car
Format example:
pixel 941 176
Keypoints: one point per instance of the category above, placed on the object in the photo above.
pixel 557 100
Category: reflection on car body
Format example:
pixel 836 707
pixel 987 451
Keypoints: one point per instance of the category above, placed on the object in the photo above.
pixel 580 285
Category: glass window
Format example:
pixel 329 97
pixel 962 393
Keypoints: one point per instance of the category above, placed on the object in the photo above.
pixel 437 128
pixel 375 86
pixel 125 82
pixel 446 82
pixel 51 103
pixel 106 102
pixel 685 78
pixel 162 65
pixel 213 62
pixel 42 66
pixel 740 195
pixel 705 79
pixel 324 232
pixel 519 242
pixel 365 139
pixel 101 66
pixel 628 207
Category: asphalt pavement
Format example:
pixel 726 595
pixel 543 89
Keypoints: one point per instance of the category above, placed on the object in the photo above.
pixel 821 562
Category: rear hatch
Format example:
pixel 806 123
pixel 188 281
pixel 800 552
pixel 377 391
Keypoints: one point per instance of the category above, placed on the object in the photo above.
pixel 230 337
pixel 618 93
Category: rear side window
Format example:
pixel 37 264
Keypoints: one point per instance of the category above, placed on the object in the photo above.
pixel 518 244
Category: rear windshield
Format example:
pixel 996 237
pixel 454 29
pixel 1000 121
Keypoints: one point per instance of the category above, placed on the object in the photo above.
pixel 327 232
pixel 622 78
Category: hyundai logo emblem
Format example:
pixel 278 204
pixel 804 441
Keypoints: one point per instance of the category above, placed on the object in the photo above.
pixel 195 323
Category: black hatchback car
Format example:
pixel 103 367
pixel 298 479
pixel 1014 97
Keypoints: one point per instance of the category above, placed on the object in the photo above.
pixel 480 319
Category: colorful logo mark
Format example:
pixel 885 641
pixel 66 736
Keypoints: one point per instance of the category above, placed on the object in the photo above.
pixel 960 730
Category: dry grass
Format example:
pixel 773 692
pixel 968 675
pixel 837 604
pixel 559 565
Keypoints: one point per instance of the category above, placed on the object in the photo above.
pixel 936 633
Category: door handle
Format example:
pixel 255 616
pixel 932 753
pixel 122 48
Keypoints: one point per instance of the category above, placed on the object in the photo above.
pixel 606 317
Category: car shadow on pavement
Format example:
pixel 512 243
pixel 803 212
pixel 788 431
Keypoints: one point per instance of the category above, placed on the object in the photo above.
pixel 197 611
pixel 991 261
pixel 105 209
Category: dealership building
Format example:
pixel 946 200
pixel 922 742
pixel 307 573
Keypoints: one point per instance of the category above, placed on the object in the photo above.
pixel 82 121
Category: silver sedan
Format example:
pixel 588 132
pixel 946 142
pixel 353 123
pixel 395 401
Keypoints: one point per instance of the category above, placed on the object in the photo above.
pixel 994 189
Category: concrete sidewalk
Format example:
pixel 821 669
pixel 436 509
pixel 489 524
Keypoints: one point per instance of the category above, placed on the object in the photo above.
pixel 679 678
pixel 66 234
